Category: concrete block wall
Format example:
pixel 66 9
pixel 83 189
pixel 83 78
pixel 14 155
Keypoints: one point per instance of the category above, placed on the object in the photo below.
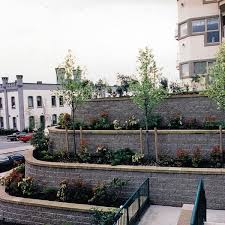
pixel 168 141
pixel 189 106
pixel 168 186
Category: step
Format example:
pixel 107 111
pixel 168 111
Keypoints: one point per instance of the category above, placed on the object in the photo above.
pixel 212 223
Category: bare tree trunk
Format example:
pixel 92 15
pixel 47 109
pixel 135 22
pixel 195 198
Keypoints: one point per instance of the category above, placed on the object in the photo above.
pixel 67 141
pixel 146 127
pixel 74 131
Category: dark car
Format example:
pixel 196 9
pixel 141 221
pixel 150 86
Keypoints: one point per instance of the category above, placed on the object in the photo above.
pixel 17 158
pixel 6 163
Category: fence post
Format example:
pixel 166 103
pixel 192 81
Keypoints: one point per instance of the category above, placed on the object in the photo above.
pixel 81 135
pixel 141 140
pixel 156 145
pixel 221 142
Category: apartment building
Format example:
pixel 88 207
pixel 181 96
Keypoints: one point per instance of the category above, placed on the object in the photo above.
pixel 29 105
pixel 200 32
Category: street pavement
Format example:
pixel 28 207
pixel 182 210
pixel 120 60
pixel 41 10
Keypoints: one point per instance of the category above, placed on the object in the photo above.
pixel 9 147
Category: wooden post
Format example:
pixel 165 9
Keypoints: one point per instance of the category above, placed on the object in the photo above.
pixel 156 145
pixel 141 141
pixel 221 142
pixel 81 136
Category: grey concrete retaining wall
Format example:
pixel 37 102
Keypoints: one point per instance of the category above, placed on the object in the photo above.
pixel 168 141
pixel 189 106
pixel 41 212
pixel 168 186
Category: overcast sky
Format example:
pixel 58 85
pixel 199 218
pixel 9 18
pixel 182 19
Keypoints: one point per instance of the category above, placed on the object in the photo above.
pixel 104 35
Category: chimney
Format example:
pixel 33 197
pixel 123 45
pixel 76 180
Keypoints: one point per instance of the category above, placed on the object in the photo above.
pixel 5 81
pixel 19 80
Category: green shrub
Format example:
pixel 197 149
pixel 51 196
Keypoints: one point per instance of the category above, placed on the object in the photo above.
pixel 103 218
pixel 108 194
pixel 49 193
pixel 39 140
pixel 102 155
pixel 122 157
pixel 27 187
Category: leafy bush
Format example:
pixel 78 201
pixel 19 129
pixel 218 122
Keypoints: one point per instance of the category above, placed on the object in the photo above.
pixel 196 158
pixel 182 157
pixel 27 187
pixel 108 194
pixel 103 218
pixel 122 157
pixel 176 122
pixel 49 193
pixel 103 155
pixel 102 122
pixel 215 156
pixel 154 120
pixel 138 158
pixel 39 140
pixel 132 123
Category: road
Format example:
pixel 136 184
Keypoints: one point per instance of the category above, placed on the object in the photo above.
pixel 8 147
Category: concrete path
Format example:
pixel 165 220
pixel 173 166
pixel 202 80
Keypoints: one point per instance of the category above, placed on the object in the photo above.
pixel 161 215
pixel 216 216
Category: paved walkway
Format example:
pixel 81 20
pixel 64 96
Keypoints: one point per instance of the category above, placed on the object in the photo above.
pixel 166 215
pixel 161 215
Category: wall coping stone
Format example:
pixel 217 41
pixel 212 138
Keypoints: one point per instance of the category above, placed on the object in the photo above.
pixel 148 169
pixel 5 197
pixel 194 95
pixel 124 132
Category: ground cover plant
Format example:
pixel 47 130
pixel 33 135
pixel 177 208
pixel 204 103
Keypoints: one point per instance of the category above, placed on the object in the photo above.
pixel 103 194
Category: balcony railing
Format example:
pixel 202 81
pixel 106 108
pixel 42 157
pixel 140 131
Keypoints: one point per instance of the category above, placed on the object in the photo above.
pixel 132 210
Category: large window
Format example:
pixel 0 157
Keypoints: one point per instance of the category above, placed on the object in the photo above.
pixel 183 29
pixel 30 102
pixel 14 123
pixel 13 102
pixel 1 104
pixel 200 68
pixel 53 101
pixel 213 34
pixel 39 101
pixel 1 122
pixel 61 101
pixel 185 70
pixel 54 119
pixel 198 26
pixel 42 121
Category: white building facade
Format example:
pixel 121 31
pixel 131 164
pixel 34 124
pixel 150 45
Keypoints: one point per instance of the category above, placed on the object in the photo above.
pixel 29 105
pixel 200 32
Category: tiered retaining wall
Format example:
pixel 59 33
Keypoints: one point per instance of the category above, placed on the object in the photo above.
pixel 42 212
pixel 189 106
pixel 168 186
pixel 168 140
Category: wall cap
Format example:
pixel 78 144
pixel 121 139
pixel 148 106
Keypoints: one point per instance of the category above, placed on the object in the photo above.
pixel 146 169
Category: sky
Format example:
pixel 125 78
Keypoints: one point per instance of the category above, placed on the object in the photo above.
pixel 104 36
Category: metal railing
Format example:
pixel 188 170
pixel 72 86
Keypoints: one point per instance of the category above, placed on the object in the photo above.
pixel 132 210
pixel 199 210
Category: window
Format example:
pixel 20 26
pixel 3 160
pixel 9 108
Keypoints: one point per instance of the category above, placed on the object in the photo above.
pixel 30 102
pixel 200 68
pixel 198 26
pixel 53 101
pixel 13 102
pixel 1 122
pixel 42 121
pixel 183 29
pixel 54 119
pixel 1 104
pixel 39 101
pixel 61 101
pixel 213 34
pixel 14 123
pixel 31 123
pixel 185 70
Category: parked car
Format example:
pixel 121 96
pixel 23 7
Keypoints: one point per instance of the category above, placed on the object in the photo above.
pixel 15 136
pixel 6 163
pixel 25 138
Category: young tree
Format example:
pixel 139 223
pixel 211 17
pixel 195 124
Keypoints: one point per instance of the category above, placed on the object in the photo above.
pixel 147 93
pixel 216 90
pixel 75 90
